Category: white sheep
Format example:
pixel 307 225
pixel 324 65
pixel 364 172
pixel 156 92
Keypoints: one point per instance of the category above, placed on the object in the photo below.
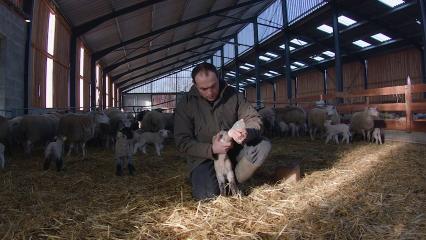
pixel 376 135
pixel 333 131
pixel 124 151
pixel 294 129
pixel 156 138
pixel 54 152
pixel 223 165
pixel 363 122
pixel 2 160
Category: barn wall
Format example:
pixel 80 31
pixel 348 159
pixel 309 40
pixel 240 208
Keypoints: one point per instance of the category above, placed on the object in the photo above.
pixel 12 61
pixel 60 57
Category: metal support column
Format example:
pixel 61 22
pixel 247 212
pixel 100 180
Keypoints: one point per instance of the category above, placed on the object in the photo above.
pixel 338 57
pixel 103 91
pixel 365 66
pixel 287 51
pixel 256 63
pixel 423 13
pixel 28 9
pixel 237 72
pixel 72 82
pixel 222 63
pixel 324 82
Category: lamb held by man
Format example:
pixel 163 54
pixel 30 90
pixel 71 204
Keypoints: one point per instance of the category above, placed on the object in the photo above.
pixel 223 165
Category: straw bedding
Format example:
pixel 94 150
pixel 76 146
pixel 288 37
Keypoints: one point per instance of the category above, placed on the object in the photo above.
pixel 348 192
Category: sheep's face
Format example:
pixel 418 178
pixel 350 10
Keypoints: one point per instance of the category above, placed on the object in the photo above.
pixel 331 110
pixel 224 137
pixel 373 112
pixel 164 133
pixel 327 122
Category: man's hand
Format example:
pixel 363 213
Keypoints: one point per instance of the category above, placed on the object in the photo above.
pixel 239 135
pixel 219 147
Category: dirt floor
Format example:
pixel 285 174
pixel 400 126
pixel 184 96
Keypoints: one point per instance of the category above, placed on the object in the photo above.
pixel 351 191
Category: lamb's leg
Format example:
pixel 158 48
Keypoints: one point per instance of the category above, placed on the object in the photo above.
pixel 328 138
pixel 70 149
pixel 144 149
pixel 219 168
pixel 363 135
pixel 311 133
pixel 157 149
pixel 28 146
pixel 230 176
pixel 130 165
pixel 336 138
pixel 2 160
pixel 379 138
pixel 83 149
pixel 119 166
pixel 59 163
pixel 46 164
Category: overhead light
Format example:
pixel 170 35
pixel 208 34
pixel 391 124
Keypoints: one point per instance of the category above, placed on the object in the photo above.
pixel 271 54
pixel 298 42
pixel 418 22
pixel 325 28
pixel 392 3
pixel 249 65
pixel 329 53
pixel 345 20
pixel 230 74
pixel 299 64
pixel 381 37
pixel 317 58
pixel 361 43
pixel 251 80
pixel 293 67
pixel 268 74
pixel 273 72
pixel 264 58
pixel 27 20
pixel 283 47
pixel 244 67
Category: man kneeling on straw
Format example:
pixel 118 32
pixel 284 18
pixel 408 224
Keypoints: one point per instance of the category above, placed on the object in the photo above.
pixel 209 107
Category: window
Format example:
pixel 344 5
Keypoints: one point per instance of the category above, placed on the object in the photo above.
pixel 107 91
pixel 245 38
pixel 325 28
pixel 81 92
pixel 113 94
pixel 270 21
pixel 392 3
pixel 345 20
pixel 361 43
pixel 49 62
pixel 97 85
pixel 229 51
pixel 381 37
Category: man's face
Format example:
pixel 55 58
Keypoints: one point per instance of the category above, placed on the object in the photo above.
pixel 208 85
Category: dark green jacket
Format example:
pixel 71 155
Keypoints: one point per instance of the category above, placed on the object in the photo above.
pixel 197 121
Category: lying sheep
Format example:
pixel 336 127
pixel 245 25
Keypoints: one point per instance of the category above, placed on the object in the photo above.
pixel 124 151
pixel 2 160
pixel 317 117
pixel 156 138
pixel 363 122
pixel 54 152
pixel 333 131
pixel 223 165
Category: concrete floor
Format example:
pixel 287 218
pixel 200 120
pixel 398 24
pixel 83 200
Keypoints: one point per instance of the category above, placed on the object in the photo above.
pixel 402 136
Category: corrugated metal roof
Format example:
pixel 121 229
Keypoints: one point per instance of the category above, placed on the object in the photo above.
pixel 148 19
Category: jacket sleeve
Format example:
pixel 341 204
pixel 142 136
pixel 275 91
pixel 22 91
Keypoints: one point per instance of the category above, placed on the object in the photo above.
pixel 184 135
pixel 251 118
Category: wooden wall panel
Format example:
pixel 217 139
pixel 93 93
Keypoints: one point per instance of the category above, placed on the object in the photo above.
pixel 39 56
pixel 61 66
pixel 392 70
pixel 282 98
pixel 310 83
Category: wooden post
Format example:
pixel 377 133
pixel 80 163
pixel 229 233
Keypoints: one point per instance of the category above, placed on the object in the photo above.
pixel 408 101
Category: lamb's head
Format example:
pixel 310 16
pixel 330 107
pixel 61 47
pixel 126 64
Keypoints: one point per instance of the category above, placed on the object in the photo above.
pixel 372 111
pixel 331 110
pixel 163 133
pixel 327 122
pixel 224 137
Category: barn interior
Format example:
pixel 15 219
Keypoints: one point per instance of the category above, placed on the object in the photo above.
pixel 62 57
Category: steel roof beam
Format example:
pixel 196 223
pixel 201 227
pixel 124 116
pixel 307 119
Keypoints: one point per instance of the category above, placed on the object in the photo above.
pixel 87 26
pixel 99 54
